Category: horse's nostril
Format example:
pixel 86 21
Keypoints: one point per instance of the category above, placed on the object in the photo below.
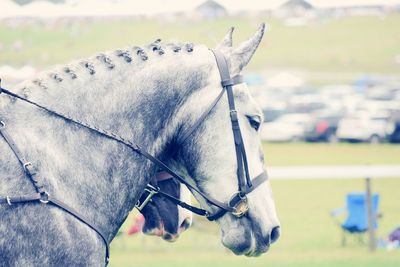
pixel 275 233
pixel 167 236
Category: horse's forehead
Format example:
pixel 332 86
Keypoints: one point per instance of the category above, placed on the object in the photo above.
pixel 244 100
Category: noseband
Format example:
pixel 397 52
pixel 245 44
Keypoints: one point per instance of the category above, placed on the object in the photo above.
pixel 237 206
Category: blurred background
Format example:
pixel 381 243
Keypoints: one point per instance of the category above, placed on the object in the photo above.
pixel 327 77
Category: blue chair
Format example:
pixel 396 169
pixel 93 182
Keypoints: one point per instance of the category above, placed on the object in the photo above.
pixel 356 222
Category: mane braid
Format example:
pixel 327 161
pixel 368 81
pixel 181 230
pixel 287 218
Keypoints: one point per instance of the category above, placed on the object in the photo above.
pixel 105 58
pixel 56 77
pixel 88 65
pixel 40 83
pixel 140 52
pixel 124 54
pixel 71 73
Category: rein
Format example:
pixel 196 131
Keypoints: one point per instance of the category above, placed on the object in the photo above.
pixel 238 204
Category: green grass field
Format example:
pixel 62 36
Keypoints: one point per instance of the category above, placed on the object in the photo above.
pixel 310 237
pixel 327 154
pixel 354 44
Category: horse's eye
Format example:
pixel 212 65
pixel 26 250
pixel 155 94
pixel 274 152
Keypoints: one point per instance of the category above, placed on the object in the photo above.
pixel 255 121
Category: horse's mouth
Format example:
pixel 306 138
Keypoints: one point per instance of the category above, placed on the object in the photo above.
pixel 247 238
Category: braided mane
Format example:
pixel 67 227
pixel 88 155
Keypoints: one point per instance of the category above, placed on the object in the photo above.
pixel 109 60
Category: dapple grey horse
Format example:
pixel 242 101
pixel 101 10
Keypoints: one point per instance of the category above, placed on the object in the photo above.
pixel 149 95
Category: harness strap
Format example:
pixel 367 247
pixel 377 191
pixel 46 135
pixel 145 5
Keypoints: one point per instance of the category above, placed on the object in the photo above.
pixel 21 199
pixel 83 219
pixel 184 205
pixel 27 166
pixel 42 195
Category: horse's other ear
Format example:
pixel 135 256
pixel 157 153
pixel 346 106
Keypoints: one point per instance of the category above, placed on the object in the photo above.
pixel 227 41
pixel 242 54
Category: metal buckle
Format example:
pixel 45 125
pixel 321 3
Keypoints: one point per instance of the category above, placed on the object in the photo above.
pixel 241 207
pixel 233 114
pixel 151 192
pixel 8 200
pixel 26 164
pixel 44 197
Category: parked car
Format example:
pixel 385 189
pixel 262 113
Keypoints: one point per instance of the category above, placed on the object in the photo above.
pixel 322 128
pixel 363 127
pixel 271 114
pixel 393 128
pixel 286 128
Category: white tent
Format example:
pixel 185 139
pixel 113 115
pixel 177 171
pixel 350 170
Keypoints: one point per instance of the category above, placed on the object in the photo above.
pixel 284 80
pixel 90 8
pixel 8 9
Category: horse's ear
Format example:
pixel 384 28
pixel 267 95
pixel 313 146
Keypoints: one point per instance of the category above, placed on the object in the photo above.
pixel 242 54
pixel 227 41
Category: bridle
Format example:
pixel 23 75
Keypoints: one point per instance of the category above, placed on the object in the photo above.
pixel 237 206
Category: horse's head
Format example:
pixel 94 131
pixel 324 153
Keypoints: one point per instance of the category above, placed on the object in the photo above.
pixel 209 155
pixel 163 217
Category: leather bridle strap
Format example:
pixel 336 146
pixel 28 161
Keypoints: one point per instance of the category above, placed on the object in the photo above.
pixel 152 189
pixel 227 82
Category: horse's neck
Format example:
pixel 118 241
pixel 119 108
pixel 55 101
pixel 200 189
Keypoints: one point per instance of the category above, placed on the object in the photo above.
pixel 99 177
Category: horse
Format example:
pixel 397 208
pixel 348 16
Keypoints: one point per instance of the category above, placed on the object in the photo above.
pixel 163 217
pixel 80 125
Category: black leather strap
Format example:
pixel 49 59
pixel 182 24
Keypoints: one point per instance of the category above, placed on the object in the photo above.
pixel 27 166
pixel 20 199
pixel 42 195
pixel 45 199
pixel 83 219
pixel 184 205
pixel 227 83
